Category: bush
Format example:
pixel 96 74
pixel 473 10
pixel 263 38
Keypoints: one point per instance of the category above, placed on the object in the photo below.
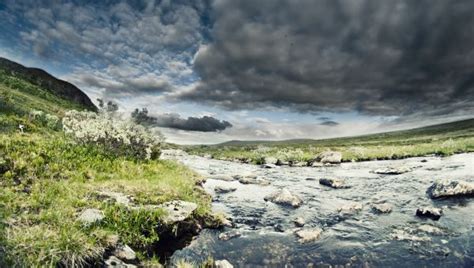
pixel 45 120
pixel 120 137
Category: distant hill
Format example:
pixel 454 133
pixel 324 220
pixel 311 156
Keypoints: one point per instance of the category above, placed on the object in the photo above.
pixel 452 129
pixel 48 82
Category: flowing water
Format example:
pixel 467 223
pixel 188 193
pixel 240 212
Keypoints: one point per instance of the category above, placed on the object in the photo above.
pixel 359 239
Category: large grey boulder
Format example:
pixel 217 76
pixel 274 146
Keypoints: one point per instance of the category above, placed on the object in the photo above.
pixel 308 235
pixel 333 183
pixel 450 188
pixel 223 264
pixel 177 210
pixel 284 197
pixel 90 216
pixel 329 157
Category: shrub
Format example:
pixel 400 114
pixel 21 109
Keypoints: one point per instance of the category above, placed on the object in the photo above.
pixel 120 137
pixel 46 120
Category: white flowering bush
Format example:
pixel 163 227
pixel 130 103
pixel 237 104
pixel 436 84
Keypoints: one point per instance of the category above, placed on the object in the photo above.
pixel 46 120
pixel 121 137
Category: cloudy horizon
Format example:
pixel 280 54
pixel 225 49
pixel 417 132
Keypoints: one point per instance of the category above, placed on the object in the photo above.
pixel 210 71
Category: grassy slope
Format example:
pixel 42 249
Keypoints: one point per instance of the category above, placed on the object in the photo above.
pixel 442 139
pixel 46 179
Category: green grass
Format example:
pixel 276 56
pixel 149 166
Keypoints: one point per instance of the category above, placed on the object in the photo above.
pixel 445 139
pixel 47 180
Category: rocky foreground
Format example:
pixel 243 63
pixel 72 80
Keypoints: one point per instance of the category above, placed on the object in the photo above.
pixel 418 211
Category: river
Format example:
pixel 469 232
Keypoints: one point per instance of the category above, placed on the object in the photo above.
pixel 265 232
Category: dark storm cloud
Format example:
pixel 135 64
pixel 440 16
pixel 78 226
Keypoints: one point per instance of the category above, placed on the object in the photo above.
pixel 329 123
pixel 373 56
pixel 172 120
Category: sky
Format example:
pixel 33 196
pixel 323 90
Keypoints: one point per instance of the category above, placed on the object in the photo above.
pixel 209 71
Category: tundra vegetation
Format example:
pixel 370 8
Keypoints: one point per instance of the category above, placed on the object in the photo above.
pixel 442 140
pixel 55 167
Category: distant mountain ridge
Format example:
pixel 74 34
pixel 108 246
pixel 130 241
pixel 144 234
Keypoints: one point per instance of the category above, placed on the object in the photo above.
pixel 45 80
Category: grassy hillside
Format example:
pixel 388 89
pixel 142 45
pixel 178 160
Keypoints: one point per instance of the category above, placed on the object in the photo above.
pixel 47 179
pixel 444 139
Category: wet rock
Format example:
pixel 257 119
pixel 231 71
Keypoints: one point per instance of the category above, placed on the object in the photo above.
pixel 91 215
pixel 403 235
pixel 450 188
pixel 349 209
pixel 254 180
pixel 229 235
pixel 330 157
pixel 282 163
pixel 279 228
pixel 298 164
pixel 424 161
pixel 114 262
pixel 429 212
pixel 116 197
pixel 124 253
pixel 224 189
pixel 430 229
pixel 299 222
pixel 223 264
pixel 392 170
pixel 177 210
pixel 221 178
pixel 316 164
pixel 381 208
pixel 268 166
pixel 333 183
pixel 284 197
pixel 308 235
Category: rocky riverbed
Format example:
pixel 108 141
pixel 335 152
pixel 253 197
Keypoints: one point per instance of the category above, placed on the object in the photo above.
pixel 349 214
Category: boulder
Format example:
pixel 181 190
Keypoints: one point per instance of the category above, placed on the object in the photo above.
pixel 270 160
pixel 268 166
pixel 333 183
pixel 229 235
pixel 254 180
pixel 124 253
pixel 114 262
pixel 299 222
pixel 177 210
pixel 381 208
pixel 221 177
pixel 450 188
pixel 392 170
pixel 285 198
pixel 282 163
pixel 349 209
pixel 91 215
pixel 429 212
pixel 224 189
pixel 223 264
pixel 330 157
pixel 308 235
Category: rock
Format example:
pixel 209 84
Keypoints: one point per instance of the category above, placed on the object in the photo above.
pixel 172 153
pixel 403 235
pixel 299 222
pixel 282 163
pixel 114 262
pixel 229 235
pixel 450 188
pixel 429 212
pixel 91 215
pixel 279 228
pixel 316 164
pixel 221 178
pixel 298 164
pixel 254 180
pixel 268 166
pixel 381 208
pixel 177 210
pixel 308 235
pixel 284 197
pixel 392 170
pixel 224 189
pixel 330 157
pixel 118 198
pixel 124 253
pixel 223 264
pixel 333 183
pixel 430 229
pixel 350 208
pixel 424 161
